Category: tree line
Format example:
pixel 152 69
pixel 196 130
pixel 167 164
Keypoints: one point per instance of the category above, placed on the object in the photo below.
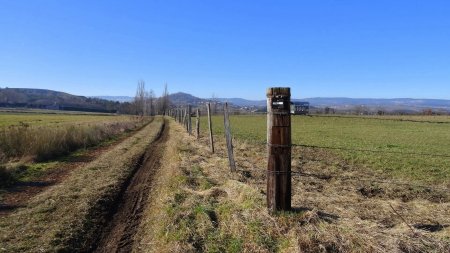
pixel 146 103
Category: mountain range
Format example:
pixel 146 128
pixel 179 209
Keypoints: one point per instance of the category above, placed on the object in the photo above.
pixel 49 99
pixel 181 98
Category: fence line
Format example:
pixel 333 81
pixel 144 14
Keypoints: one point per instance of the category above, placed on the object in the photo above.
pixel 371 150
pixel 379 118
pixel 343 178
pixel 358 150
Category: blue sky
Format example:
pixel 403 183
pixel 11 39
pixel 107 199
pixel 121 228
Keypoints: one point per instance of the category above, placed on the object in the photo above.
pixel 346 48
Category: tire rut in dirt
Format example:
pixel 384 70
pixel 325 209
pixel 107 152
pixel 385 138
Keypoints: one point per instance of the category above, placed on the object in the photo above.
pixel 118 235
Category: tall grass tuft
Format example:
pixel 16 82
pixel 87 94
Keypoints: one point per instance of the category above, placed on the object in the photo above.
pixel 45 142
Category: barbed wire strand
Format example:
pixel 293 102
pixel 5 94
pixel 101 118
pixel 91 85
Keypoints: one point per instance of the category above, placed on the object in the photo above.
pixel 351 149
pixel 328 177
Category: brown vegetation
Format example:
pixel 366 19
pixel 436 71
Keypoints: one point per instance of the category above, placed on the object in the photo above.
pixel 198 205
pixel 68 216
pixel 43 142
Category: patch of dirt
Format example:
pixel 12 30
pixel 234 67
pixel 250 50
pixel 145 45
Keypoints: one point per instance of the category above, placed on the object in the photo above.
pixel 430 227
pixel 18 195
pixel 370 192
pixel 118 235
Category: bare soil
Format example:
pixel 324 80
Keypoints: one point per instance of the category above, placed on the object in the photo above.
pixel 118 235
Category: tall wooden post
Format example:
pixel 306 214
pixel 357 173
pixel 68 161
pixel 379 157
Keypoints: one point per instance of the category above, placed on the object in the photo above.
pixel 211 139
pixel 279 149
pixel 184 118
pixel 189 122
pixel 197 124
pixel 226 123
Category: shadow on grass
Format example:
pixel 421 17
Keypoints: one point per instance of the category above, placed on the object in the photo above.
pixel 328 217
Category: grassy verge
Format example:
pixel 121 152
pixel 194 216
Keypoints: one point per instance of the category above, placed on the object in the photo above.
pixel 68 216
pixel 197 205
pixel 25 151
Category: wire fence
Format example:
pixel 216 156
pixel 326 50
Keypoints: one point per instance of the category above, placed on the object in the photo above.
pixel 354 149
pixel 349 178
pixel 371 150
pixel 359 179
pixel 379 118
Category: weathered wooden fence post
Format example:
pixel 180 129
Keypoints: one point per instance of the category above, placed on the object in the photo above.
pixel 211 139
pixel 197 124
pixel 189 120
pixel 226 123
pixel 278 149
pixel 184 118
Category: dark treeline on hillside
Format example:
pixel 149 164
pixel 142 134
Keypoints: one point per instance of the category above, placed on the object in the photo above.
pixel 54 100
pixel 145 102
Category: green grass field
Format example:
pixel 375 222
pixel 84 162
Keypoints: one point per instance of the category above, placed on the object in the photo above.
pixel 410 148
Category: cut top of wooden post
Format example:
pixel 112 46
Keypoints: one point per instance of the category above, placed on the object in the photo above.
pixel 278 91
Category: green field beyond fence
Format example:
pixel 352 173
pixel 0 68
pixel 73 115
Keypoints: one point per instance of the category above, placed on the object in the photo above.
pixel 408 148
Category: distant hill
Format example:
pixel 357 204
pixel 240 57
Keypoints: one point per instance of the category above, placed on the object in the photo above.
pixel 120 99
pixel 56 100
pixel 342 103
pixel 243 102
pixel 181 98
pixel 48 99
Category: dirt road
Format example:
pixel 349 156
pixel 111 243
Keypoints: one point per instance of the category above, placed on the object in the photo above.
pixel 118 235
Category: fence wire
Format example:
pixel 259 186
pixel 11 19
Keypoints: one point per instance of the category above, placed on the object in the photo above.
pixel 352 149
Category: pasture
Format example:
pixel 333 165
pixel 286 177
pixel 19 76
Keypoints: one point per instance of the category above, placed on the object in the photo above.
pixel 405 147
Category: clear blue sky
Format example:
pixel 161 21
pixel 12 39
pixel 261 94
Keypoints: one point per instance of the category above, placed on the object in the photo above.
pixel 351 48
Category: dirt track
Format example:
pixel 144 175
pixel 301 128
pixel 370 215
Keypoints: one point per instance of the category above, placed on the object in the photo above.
pixel 118 235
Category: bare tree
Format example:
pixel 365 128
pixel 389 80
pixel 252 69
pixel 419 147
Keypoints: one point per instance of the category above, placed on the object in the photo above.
pixel 164 101
pixel 150 97
pixel 139 99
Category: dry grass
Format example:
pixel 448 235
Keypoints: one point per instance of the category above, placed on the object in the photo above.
pixel 197 205
pixel 67 217
pixel 44 142
pixel 24 146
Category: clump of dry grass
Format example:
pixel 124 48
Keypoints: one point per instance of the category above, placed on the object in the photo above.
pixel 68 216
pixel 44 142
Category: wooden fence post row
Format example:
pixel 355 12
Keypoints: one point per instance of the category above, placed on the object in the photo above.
pixel 211 139
pixel 189 123
pixel 197 124
pixel 278 149
pixel 226 123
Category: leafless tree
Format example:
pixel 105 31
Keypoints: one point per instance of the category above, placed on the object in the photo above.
pixel 139 99
pixel 164 101
pixel 149 102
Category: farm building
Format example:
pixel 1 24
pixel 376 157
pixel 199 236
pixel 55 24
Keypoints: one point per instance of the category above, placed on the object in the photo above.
pixel 299 108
